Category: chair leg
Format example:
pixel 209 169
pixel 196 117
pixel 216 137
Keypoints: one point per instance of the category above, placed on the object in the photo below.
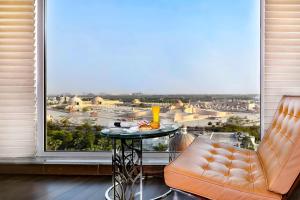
pixel 174 194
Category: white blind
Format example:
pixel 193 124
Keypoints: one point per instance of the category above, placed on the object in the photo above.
pixel 17 78
pixel 282 53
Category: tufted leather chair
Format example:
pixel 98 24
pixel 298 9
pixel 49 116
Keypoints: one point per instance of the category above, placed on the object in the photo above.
pixel 223 172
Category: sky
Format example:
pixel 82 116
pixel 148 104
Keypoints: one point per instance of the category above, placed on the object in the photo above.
pixel 153 46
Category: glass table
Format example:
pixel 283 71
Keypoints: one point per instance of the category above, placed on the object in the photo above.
pixel 127 159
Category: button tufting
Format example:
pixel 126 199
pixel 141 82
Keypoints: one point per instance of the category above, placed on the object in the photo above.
pixel 228 165
pixel 230 157
pixel 205 167
pixel 213 151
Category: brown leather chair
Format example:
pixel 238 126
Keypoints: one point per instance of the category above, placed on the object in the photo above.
pixel 223 172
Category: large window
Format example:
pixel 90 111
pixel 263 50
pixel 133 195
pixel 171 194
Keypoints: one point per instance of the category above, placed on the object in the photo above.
pixel 110 61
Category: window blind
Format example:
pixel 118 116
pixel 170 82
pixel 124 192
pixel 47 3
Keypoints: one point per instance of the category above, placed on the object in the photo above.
pixel 17 78
pixel 281 53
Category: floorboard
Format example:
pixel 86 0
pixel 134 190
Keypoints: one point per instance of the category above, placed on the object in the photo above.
pixel 42 187
pixel 39 187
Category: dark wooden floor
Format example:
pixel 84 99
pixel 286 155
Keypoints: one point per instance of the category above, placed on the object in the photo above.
pixel 40 187
pixel 32 187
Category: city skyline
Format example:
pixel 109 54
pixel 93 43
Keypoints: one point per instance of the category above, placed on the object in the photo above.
pixel 153 47
pixel 147 94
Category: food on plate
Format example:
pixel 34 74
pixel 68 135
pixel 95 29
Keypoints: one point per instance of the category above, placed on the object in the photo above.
pixel 144 125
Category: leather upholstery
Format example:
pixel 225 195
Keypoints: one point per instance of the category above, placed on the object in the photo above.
pixel 279 150
pixel 218 171
pixel 222 172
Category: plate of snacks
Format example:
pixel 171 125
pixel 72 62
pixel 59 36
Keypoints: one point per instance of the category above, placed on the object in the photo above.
pixel 146 126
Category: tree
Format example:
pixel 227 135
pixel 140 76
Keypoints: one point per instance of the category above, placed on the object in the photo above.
pixel 209 123
pixel 65 122
pixel 53 144
pixel 98 128
pixel 52 126
pixel 160 147
pixel 104 144
pixel 79 140
pixel 68 140
pixel 90 137
pixel 246 143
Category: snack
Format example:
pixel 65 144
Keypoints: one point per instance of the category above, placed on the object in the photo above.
pixel 145 127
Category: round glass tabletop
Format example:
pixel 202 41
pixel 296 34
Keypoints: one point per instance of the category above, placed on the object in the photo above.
pixel 135 133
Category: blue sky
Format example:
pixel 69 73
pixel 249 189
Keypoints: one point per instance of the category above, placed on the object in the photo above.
pixel 153 46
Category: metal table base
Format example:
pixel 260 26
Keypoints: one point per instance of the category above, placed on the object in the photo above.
pixel 127 166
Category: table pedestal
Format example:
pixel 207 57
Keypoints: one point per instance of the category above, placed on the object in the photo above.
pixel 127 168
pixel 127 160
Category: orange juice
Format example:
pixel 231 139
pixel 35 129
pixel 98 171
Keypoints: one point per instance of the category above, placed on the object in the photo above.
pixel 155 114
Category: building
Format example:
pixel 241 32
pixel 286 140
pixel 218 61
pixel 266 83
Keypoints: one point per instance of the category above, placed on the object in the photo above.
pixel 75 101
pixel 105 102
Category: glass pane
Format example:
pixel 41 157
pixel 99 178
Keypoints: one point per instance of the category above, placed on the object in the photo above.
pixel 111 61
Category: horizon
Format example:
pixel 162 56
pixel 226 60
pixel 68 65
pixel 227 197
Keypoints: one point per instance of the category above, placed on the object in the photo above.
pixel 156 47
pixel 146 94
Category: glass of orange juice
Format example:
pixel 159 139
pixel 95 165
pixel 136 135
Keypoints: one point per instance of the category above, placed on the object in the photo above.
pixel 155 114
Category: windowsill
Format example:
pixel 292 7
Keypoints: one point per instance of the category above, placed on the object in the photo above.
pixel 77 160
pixel 71 166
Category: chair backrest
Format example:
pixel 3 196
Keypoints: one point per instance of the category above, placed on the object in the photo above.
pixel 279 150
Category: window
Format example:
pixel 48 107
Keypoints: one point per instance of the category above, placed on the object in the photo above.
pixel 110 61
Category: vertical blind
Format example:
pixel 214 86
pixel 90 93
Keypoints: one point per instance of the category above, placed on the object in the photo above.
pixel 281 53
pixel 17 78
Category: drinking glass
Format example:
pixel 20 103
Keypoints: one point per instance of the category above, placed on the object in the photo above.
pixel 155 114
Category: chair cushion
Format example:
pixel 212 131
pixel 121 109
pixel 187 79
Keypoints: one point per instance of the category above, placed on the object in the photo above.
pixel 279 150
pixel 218 171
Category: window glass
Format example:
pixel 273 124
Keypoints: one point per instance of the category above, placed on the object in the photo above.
pixel 111 61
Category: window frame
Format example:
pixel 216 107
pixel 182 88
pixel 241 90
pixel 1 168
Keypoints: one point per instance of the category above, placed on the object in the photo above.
pixel 103 156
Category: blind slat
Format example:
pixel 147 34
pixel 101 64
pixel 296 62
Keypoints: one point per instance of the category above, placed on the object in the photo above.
pixel 19 62
pixel 278 56
pixel 16 22
pixel 282 21
pixel 282 76
pixel 283 7
pixel 16 8
pixel 282 2
pixel 277 49
pixel 277 35
pixel 282 28
pixel 20 28
pixel 14 35
pixel 16 41
pixel 22 15
pixel 16 2
pixel 282 62
pixel 281 42
pixel 283 14
pixel 16 75
pixel 16 55
pixel 16 48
